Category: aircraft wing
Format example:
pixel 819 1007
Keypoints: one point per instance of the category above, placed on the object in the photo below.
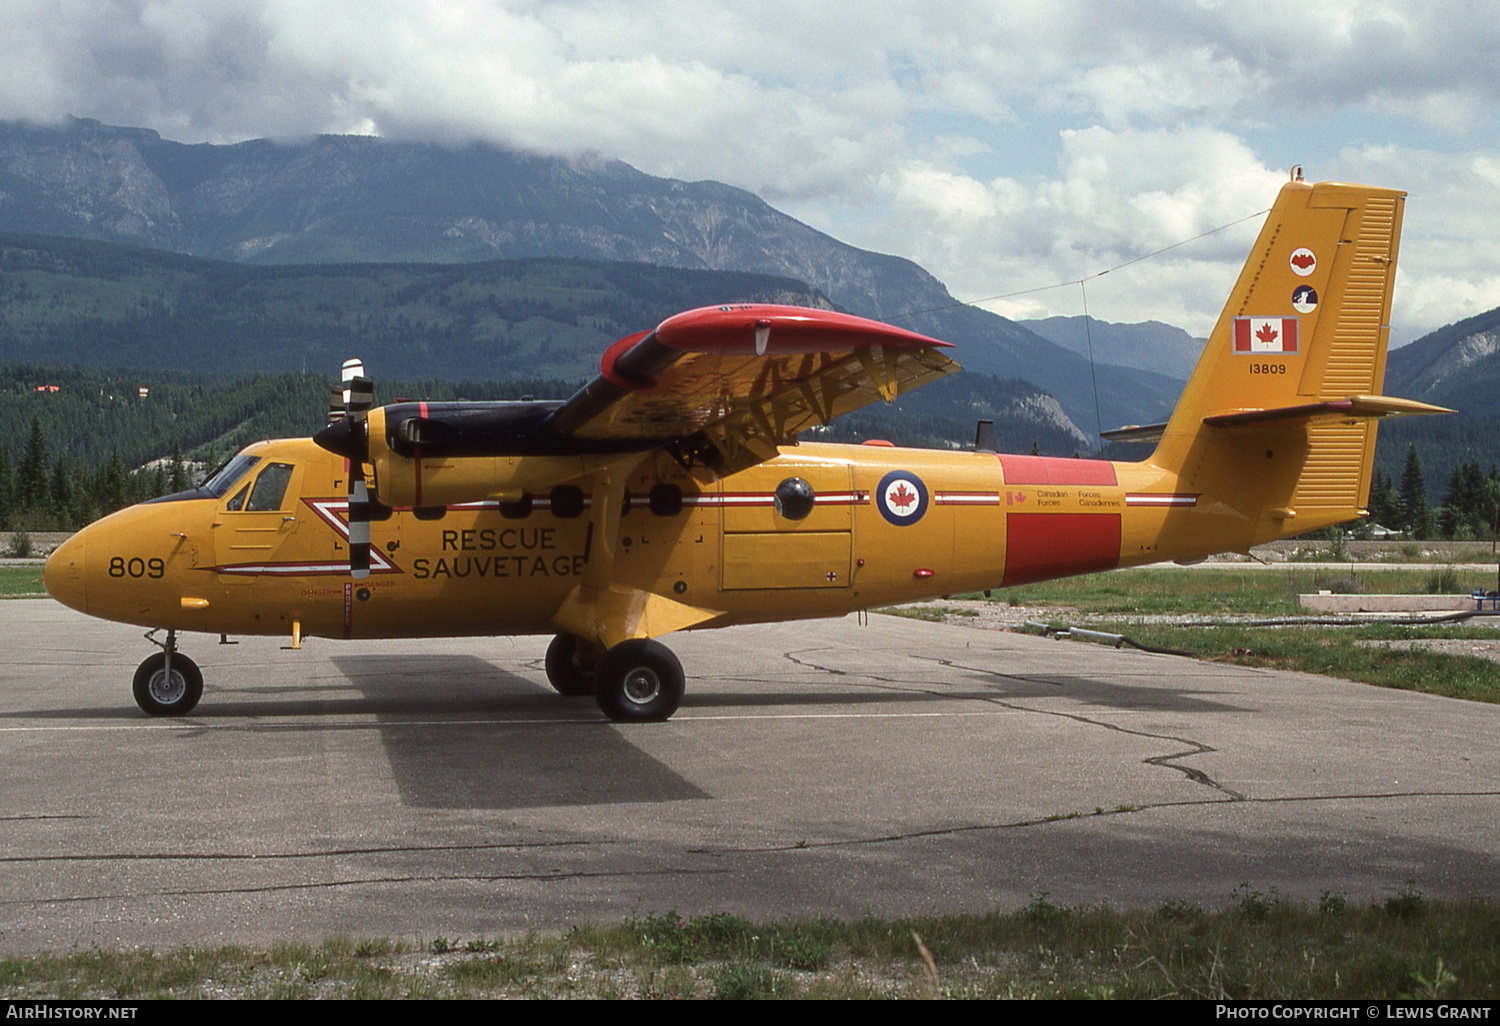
pixel 728 384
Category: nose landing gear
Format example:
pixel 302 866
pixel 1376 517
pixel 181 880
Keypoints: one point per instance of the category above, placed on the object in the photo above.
pixel 167 683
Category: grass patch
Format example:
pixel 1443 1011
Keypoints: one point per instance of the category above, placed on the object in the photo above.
pixel 1259 945
pixel 22 580
pixel 1373 654
pixel 1269 591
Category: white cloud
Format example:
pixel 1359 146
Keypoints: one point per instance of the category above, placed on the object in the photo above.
pixel 998 144
pixel 1118 196
pixel 1450 249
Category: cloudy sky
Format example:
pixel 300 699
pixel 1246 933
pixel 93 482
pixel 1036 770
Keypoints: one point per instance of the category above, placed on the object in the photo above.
pixel 1004 145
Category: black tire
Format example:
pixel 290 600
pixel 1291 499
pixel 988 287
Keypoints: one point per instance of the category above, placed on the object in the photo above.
pixel 570 665
pixel 159 696
pixel 638 681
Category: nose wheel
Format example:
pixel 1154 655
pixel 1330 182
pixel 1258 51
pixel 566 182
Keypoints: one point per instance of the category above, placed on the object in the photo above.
pixel 638 681
pixel 168 690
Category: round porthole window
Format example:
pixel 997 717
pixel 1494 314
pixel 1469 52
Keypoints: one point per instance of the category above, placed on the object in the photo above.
pixel 795 498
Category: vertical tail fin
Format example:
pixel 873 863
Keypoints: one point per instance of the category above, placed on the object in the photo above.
pixel 1277 419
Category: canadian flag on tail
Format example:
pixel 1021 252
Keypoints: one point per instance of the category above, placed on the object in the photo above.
pixel 1265 334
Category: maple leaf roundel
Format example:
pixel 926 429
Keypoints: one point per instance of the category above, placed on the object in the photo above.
pixel 901 498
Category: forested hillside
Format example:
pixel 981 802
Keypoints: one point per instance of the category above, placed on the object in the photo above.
pixel 335 199
pixel 74 301
pixel 76 443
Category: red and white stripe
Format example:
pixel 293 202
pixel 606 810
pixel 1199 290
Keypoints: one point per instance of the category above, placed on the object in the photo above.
pixel 966 498
pixel 1160 499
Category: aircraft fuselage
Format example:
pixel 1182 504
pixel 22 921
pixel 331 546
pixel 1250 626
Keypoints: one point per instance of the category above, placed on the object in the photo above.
pixel 887 525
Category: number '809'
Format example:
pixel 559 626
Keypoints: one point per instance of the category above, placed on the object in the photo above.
pixel 135 566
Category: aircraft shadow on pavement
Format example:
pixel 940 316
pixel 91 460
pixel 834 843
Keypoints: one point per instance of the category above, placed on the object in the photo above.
pixel 488 765
pixel 1147 693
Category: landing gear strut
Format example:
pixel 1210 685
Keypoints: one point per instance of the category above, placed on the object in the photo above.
pixel 638 681
pixel 168 683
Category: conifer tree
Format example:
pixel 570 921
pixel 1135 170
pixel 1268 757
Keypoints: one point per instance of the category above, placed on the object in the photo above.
pixel 7 487
pixel 177 479
pixel 1416 521
pixel 60 495
pixel 31 473
pixel 1380 495
pixel 110 485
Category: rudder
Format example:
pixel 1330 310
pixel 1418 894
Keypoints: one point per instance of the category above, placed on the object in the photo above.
pixel 1278 415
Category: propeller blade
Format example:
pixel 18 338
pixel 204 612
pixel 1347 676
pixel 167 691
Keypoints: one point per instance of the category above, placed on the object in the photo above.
pixel 361 393
pixel 359 522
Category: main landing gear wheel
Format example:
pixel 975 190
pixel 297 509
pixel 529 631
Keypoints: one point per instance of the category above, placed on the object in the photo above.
pixel 638 681
pixel 168 694
pixel 570 665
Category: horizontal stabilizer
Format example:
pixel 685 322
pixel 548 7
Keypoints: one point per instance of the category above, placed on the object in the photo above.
pixel 1359 407
pixel 1134 433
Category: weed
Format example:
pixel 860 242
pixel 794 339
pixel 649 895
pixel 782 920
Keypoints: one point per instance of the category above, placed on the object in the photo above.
pixel 1043 911
pixel 796 951
pixel 1435 988
pixel 372 948
pixel 666 934
pixel 746 981
pixel 719 928
pixel 1407 903
pixel 1176 910
pixel 1443 581
pixel 1332 904
pixel 1337 585
pixel 1252 904
pixel 20 546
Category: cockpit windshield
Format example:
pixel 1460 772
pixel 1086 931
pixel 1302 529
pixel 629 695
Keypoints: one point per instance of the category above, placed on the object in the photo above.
pixel 223 479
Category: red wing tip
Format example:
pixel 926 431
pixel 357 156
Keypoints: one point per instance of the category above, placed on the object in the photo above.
pixel 733 328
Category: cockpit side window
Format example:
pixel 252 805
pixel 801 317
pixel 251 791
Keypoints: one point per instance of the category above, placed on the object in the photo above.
pixel 270 488
pixel 237 503
pixel 227 476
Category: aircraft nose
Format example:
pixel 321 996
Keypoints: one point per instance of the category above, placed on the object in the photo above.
pixel 64 576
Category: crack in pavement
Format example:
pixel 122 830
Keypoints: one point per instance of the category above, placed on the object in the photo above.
pixel 1096 814
pixel 273 856
pixel 366 881
pixel 1166 761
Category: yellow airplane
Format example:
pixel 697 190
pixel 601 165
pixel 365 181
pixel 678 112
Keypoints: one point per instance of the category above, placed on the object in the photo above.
pixel 670 493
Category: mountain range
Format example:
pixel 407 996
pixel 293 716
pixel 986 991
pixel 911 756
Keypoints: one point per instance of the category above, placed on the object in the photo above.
pixel 341 199
pixel 434 252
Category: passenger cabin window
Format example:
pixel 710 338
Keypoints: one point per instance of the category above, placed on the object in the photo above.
pixel 567 501
pixel 270 488
pixel 518 510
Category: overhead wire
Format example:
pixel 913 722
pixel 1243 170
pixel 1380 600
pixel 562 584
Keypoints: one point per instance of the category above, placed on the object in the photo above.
pixel 1080 282
pixel 1088 277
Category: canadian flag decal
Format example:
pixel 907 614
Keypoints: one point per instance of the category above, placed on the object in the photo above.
pixel 1265 334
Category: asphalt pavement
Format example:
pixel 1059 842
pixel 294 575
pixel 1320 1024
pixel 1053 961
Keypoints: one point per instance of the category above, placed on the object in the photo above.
pixel 829 768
